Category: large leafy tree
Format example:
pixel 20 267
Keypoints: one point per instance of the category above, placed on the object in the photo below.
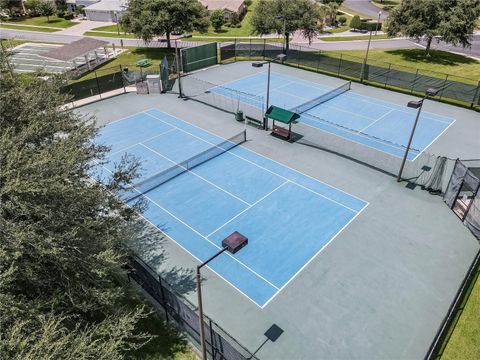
pixel 150 18
pixel 452 21
pixel 62 235
pixel 275 15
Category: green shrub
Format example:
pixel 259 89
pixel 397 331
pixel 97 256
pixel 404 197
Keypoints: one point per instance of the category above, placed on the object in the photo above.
pixel 342 20
pixel 68 15
pixel 371 26
pixel 355 23
pixel 60 14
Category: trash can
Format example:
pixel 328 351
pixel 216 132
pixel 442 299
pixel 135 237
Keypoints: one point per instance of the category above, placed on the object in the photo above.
pixel 239 116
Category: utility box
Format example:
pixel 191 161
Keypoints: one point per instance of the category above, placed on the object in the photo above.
pixel 153 82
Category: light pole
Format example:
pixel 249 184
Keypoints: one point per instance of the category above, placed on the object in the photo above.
pixel 414 105
pixel 280 57
pixel 284 43
pixel 177 60
pixel 362 76
pixel 232 243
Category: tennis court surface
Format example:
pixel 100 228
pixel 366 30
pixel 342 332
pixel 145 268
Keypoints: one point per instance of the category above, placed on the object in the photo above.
pixel 287 216
pixel 375 123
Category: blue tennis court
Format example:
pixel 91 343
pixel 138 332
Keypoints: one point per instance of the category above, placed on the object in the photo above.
pixel 287 216
pixel 374 123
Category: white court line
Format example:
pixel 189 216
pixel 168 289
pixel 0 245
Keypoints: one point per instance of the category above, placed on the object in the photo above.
pixel 140 143
pixel 186 250
pixel 311 259
pixel 275 287
pixel 251 206
pixel 253 152
pixel 261 167
pixel 191 172
pixel 434 140
pixel 211 242
pixel 380 118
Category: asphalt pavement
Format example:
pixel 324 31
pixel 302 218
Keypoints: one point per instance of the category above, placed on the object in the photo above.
pixel 365 7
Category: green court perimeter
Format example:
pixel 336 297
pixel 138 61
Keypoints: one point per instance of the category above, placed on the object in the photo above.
pixel 381 289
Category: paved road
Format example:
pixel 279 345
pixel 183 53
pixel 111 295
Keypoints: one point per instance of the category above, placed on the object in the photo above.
pixel 338 45
pixel 362 44
pixel 365 7
pixel 474 50
pixel 55 37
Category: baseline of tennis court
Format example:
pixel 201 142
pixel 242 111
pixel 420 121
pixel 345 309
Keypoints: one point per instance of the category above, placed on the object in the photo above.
pixel 287 216
pixel 375 123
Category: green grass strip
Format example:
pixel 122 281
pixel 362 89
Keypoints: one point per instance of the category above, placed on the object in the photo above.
pixel 27 28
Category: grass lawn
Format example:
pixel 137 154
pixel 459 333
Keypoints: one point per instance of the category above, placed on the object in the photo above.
pixel 28 28
pixel 12 43
pixel 464 341
pixel 42 21
pixel 351 38
pixel 112 28
pixel 438 62
pixel 129 58
pixel 112 35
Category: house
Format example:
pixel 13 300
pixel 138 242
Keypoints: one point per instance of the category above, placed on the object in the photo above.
pixel 100 10
pixel 229 7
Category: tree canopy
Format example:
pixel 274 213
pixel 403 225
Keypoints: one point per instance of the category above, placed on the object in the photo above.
pixel 273 15
pixel 452 21
pixel 150 18
pixel 62 235
pixel 217 19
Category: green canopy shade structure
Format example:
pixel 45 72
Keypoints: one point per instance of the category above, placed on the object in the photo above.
pixel 283 116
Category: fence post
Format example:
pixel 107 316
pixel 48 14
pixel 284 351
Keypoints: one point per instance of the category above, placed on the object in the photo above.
pixel 319 57
pixel 211 337
pixel 388 73
pixel 477 94
pixel 235 50
pixel 123 80
pixel 164 301
pixel 264 48
pixel 299 51
pixel 414 82
pixel 98 84
pixel 339 64
pixel 444 86
pixel 250 50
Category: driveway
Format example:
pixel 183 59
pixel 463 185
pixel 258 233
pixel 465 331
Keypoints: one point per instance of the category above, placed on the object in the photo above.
pixel 365 7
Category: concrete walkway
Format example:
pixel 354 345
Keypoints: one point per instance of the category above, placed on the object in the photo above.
pixel 82 27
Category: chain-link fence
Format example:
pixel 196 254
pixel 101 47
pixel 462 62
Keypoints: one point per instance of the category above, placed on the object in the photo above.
pixel 455 89
pixel 223 98
pixel 183 314
pixel 120 77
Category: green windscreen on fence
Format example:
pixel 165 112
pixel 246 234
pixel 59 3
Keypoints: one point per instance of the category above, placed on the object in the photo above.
pixel 199 57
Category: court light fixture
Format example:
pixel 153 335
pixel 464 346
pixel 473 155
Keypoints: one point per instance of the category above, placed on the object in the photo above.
pixel 415 104
pixel 232 243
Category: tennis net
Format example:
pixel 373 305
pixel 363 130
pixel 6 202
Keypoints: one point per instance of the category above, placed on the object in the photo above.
pixel 162 177
pixel 322 98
